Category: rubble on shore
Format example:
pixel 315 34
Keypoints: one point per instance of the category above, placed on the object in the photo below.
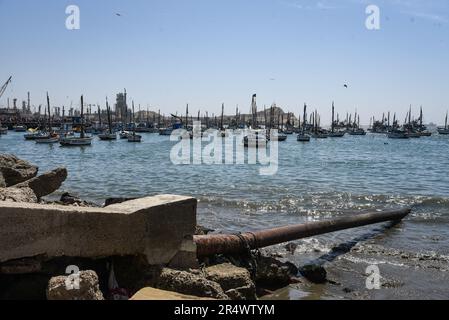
pixel 245 277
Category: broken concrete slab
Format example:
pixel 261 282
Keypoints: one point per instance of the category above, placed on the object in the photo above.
pixel 159 228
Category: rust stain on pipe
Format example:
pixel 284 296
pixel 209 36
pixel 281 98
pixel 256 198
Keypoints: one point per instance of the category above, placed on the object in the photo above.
pixel 227 244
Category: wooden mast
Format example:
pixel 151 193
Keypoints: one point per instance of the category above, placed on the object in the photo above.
pixel 49 117
pixel 82 118
pixel 109 116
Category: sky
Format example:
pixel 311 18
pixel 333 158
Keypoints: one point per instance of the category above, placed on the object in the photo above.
pixel 168 53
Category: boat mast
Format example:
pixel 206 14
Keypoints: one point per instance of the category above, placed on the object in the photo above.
pixel 109 116
pixel 49 117
pixel 333 116
pixel 445 123
pixel 222 117
pixel 82 117
pixel 99 115
pixel 133 124
pixel 304 119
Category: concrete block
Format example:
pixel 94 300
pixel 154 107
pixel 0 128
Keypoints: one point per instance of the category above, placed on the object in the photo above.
pixel 160 228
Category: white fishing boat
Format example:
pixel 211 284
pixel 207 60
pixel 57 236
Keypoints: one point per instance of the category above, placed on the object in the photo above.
pixel 445 129
pixel 50 140
pixel 82 140
pixel 108 136
pixel 75 141
pixel 20 128
pixel 133 137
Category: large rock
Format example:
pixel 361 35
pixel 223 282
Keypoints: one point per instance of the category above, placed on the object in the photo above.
pixel 47 183
pixel 14 171
pixel 188 283
pixel 274 273
pixel 17 195
pixel 88 288
pixel 235 281
pixel 314 273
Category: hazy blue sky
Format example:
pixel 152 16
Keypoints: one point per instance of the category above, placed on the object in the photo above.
pixel 205 52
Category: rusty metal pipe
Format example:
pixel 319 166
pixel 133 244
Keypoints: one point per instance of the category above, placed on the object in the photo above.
pixel 228 244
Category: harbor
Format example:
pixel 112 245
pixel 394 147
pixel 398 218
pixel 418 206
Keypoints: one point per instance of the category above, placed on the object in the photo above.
pixel 328 178
pixel 229 153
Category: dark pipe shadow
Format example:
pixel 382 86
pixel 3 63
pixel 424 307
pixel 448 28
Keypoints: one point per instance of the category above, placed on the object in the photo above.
pixel 345 247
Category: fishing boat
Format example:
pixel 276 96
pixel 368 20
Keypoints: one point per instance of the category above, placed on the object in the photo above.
pixel 280 137
pixel 134 137
pixel 398 135
pixel 425 133
pixel 255 139
pixel 35 135
pixel 333 133
pixel 108 136
pixel 358 132
pixel 302 136
pixel 320 135
pixel 124 134
pixel 414 135
pixel 82 140
pixel 20 128
pixel 53 138
pixel 165 131
pixel 445 130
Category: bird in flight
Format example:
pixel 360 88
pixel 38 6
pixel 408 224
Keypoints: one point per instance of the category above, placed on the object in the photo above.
pixel 346 86
pixel 118 14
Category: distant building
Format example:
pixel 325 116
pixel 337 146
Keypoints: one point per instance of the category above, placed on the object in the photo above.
pixel 121 106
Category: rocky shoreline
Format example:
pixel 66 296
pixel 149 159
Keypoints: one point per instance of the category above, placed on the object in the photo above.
pixel 244 277
pixel 274 273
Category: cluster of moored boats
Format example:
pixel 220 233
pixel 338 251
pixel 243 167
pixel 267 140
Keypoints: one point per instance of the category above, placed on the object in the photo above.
pixel 273 127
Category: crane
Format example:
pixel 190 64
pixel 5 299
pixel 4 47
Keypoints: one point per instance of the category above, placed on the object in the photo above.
pixel 3 88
